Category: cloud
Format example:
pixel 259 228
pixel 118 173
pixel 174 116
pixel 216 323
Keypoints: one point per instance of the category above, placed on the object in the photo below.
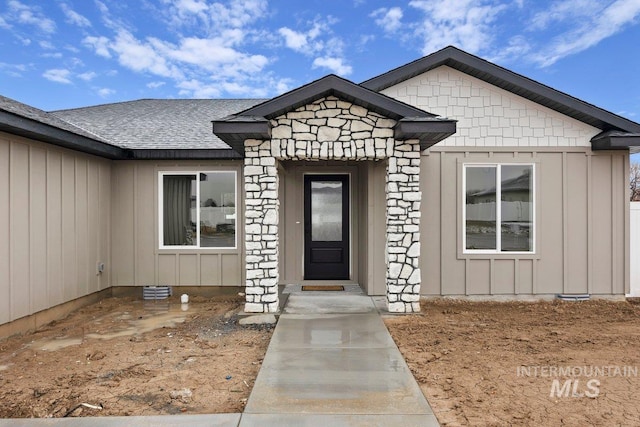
pixel 99 44
pixel 74 17
pixel 141 56
pixel 58 75
pixel 105 92
pixel 517 46
pixel 209 18
pixel 561 11
pixel 238 13
pixel 293 39
pixel 191 6
pixel 466 24
pixel 30 15
pixel 389 19
pixel 46 44
pixel 595 25
pixel 197 89
pixel 210 61
pixel 13 70
pixel 318 41
pixel 155 85
pixel 306 42
pixel 212 49
pixel 212 55
pixel 4 24
pixel 101 7
pixel 335 65
pixel 188 62
pixel 88 76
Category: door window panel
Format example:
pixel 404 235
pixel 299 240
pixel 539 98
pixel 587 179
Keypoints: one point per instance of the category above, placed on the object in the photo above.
pixel 326 211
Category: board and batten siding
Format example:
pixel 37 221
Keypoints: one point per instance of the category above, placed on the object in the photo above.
pixel 634 225
pixel 137 259
pixel 581 205
pixel 55 207
pixel 581 226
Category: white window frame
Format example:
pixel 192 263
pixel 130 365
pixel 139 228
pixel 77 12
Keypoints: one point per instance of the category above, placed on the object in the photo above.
pixel 197 173
pixel 532 232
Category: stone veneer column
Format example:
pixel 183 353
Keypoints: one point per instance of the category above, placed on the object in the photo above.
pixel 403 228
pixel 261 227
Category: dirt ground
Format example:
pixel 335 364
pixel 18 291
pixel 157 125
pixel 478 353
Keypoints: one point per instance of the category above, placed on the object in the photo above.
pixel 134 357
pixel 476 362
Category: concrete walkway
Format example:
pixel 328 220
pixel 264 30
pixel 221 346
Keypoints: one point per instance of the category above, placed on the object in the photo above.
pixel 330 362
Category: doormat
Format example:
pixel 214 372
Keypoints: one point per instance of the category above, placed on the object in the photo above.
pixel 323 288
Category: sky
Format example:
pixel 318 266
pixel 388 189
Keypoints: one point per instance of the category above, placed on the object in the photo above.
pixel 58 54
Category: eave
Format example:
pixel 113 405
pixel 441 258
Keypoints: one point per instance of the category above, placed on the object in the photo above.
pixel 429 131
pixel 32 129
pixel 615 140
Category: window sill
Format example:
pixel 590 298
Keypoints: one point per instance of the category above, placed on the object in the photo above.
pixel 498 255
pixel 188 250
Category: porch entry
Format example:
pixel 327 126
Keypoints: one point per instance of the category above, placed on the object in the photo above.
pixel 326 227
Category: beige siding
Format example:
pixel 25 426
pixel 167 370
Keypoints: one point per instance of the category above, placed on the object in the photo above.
pixel 5 231
pixel 487 115
pixel 51 237
pixel 376 223
pixel 137 259
pixel 581 226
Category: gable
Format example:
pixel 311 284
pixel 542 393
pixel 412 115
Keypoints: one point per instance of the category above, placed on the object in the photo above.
pixel 332 128
pixel 255 123
pixel 488 115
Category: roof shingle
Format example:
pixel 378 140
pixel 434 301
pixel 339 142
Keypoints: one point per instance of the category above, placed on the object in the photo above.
pixel 157 123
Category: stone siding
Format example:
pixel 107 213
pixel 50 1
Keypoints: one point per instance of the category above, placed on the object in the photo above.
pixel 261 227
pixel 332 129
pixel 403 228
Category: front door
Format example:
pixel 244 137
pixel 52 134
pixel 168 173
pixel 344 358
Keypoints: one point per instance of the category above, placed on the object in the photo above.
pixel 326 227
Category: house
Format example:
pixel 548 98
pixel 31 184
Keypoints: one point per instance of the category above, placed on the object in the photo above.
pixel 448 176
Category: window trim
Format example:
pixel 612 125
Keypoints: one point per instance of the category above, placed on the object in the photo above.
pixel 532 232
pixel 195 173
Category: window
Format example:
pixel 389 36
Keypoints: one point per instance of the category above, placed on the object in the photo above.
pixel 197 209
pixel 492 227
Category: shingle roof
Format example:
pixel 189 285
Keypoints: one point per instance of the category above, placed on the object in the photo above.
pixel 21 119
pixel 157 123
pixel 16 108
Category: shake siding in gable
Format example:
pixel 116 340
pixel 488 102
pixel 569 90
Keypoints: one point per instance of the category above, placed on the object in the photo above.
pixel 487 115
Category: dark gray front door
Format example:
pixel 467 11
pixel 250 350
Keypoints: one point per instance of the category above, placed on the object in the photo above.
pixel 326 227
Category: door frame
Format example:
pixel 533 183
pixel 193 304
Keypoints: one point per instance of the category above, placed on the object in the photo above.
pixel 350 180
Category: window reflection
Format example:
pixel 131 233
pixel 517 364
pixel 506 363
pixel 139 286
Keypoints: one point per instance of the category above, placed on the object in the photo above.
pixel 516 208
pixel 214 218
pixel 480 208
pixel 326 211
pixel 217 210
